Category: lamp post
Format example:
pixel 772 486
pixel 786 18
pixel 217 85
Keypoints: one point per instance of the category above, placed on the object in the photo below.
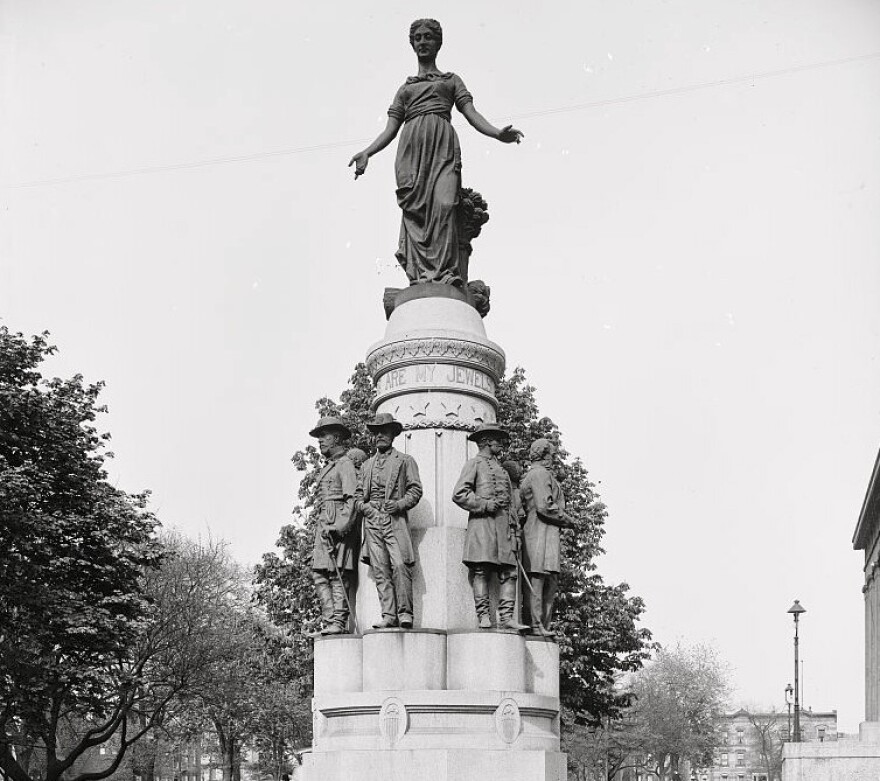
pixel 796 611
pixel 788 693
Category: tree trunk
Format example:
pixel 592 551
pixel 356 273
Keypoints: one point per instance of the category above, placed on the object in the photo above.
pixel 149 767
pixel 236 762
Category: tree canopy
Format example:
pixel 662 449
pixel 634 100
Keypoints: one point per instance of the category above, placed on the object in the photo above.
pixel 678 699
pixel 73 549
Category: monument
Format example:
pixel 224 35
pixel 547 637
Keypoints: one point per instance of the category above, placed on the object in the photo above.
pixel 443 699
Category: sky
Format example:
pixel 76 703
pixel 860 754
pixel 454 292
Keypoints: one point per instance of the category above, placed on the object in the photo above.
pixel 683 254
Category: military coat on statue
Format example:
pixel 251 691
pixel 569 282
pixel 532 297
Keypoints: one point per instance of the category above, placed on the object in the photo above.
pixel 490 538
pixel 336 486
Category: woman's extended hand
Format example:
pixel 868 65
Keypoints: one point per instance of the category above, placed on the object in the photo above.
pixel 509 134
pixel 359 161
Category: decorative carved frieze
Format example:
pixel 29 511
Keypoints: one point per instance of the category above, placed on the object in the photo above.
pixel 430 349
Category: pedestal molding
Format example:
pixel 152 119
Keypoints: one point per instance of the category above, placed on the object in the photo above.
pixel 372 710
pixel 431 349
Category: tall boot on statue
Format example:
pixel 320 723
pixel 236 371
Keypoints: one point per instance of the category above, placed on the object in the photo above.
pixel 325 598
pixel 481 598
pixel 338 592
pixel 507 605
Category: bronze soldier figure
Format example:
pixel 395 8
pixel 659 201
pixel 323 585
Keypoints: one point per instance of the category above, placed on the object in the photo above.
pixel 485 491
pixel 544 504
pixel 336 534
pixel 389 488
pixel 514 470
pixel 357 458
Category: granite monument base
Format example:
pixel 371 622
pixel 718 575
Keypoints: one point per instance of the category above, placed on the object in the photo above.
pixel 430 704
pixel 437 765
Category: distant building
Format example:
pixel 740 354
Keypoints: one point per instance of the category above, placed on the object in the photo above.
pixel 750 746
pixel 197 759
pixel 751 743
pixel 853 759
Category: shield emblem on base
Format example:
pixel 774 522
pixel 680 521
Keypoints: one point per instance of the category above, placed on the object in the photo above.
pixel 508 721
pixel 393 720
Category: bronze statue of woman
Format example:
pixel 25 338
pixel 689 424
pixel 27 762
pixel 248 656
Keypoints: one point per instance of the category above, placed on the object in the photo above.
pixel 428 164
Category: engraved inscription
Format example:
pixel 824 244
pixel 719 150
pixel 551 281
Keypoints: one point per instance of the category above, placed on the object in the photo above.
pixel 435 375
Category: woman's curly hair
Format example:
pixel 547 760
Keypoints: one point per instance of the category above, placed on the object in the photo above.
pixel 432 24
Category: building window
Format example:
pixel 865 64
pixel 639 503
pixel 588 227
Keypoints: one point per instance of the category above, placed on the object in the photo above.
pixel 740 758
pixel 820 732
pixel 724 761
pixel 739 735
pixel 724 738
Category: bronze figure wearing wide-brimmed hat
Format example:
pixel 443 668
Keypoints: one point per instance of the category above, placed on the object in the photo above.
pixel 385 420
pixel 485 429
pixel 337 527
pixel 328 423
pixel 389 488
pixel 491 542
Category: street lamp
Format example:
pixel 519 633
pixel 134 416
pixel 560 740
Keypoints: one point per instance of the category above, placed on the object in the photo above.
pixel 796 611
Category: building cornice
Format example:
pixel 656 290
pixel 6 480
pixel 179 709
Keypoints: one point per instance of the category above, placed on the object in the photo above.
pixel 866 528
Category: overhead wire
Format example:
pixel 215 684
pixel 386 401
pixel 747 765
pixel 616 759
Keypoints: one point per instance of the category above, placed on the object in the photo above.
pixel 524 115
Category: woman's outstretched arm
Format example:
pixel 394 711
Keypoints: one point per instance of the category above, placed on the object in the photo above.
pixel 506 135
pixel 359 161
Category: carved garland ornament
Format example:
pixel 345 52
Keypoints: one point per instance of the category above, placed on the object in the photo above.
pixel 456 424
pixel 482 356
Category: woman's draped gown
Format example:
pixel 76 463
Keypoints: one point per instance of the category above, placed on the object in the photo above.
pixel 428 170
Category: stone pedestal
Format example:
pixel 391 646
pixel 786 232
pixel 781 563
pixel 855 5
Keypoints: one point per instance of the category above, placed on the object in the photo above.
pixel 495 715
pixel 838 760
pixel 444 700
pixel 436 372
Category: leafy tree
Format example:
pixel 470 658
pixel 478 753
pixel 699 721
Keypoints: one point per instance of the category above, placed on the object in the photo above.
pixel 243 685
pixel 600 636
pixel 107 631
pixel 73 549
pixel 678 700
pixel 198 594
